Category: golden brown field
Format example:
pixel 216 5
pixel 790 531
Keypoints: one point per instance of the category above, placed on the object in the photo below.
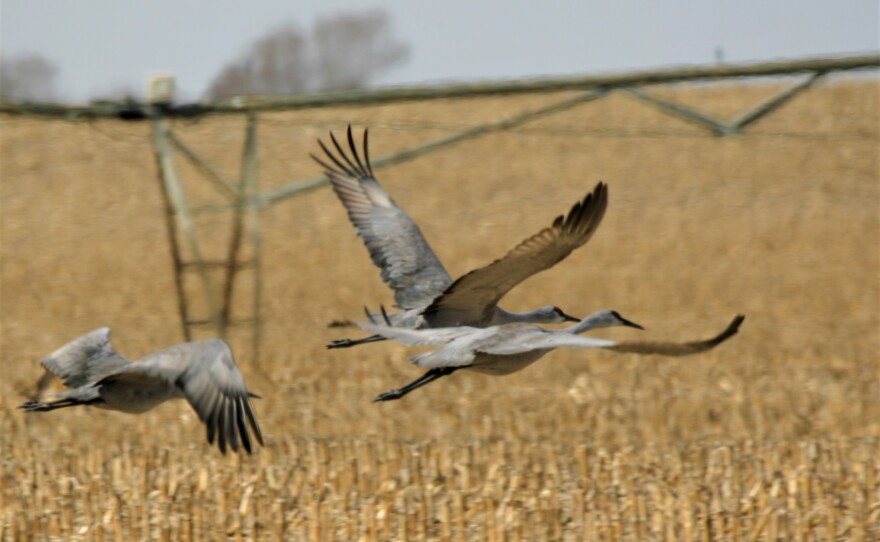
pixel 775 435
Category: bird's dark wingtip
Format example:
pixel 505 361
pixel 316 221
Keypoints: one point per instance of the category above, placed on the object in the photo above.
pixel 737 321
pixel 732 328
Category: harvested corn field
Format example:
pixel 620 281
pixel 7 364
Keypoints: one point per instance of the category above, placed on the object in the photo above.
pixel 773 435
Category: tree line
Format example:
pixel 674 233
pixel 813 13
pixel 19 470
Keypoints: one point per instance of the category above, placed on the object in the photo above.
pixel 340 52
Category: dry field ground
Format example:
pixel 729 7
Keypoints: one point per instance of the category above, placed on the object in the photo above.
pixel 773 436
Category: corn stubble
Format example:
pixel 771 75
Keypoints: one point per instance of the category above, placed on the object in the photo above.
pixel 773 436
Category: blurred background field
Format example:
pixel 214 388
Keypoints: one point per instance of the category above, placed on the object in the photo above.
pixel 774 435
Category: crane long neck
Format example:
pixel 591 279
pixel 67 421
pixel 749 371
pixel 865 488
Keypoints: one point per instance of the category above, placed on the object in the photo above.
pixel 501 316
pixel 593 321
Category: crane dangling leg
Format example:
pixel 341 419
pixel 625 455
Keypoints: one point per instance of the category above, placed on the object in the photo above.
pixel 348 343
pixel 426 378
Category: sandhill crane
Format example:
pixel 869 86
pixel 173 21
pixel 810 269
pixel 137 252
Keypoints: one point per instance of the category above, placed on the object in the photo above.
pixel 422 287
pixel 507 348
pixel 202 372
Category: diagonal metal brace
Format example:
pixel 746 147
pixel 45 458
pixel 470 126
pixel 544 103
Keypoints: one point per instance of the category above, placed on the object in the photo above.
pixel 677 110
pixel 721 128
pixel 408 154
pixel 736 125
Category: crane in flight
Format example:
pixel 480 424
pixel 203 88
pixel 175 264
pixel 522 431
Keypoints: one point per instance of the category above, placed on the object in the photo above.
pixel 508 348
pixel 202 372
pixel 423 289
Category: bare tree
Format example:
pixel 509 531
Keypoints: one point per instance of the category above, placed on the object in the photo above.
pixel 233 80
pixel 28 77
pixel 349 49
pixel 342 52
pixel 274 64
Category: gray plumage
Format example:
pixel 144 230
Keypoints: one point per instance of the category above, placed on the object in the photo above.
pixel 422 286
pixel 396 245
pixel 202 372
pixel 505 349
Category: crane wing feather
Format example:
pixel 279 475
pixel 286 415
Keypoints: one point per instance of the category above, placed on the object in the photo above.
pixel 207 376
pixel 396 245
pixel 418 336
pixel 85 359
pixel 680 349
pixel 472 298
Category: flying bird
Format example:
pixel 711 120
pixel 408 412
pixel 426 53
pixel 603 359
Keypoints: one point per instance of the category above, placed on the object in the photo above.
pixel 202 372
pixel 508 348
pixel 423 289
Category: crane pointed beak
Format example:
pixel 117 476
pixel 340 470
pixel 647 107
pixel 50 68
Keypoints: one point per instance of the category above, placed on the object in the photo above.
pixel 631 324
pixel 569 318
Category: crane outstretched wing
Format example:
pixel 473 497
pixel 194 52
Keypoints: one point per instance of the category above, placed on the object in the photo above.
pixel 206 374
pixel 680 349
pixel 472 298
pixel 395 243
pixel 85 359
pixel 417 337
